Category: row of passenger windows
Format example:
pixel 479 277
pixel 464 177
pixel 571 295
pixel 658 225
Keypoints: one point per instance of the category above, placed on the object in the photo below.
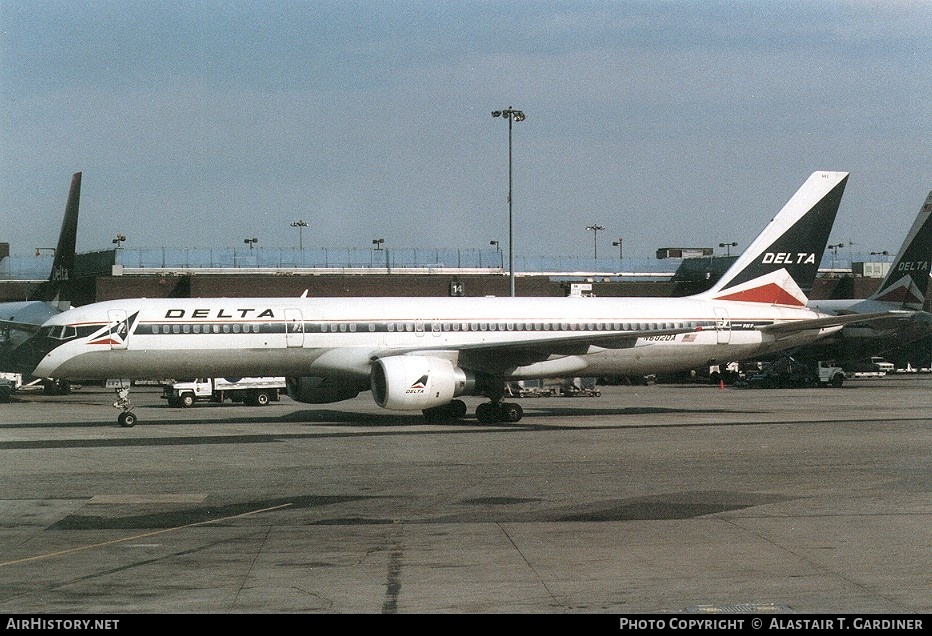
pixel 534 326
pixel 352 327
pixel 198 328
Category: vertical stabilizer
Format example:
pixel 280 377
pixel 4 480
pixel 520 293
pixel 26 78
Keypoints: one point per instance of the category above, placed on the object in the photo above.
pixel 780 266
pixel 63 263
pixel 908 278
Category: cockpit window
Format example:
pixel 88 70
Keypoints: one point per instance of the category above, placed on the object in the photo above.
pixel 59 332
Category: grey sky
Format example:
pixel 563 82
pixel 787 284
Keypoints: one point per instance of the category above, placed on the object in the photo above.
pixel 669 123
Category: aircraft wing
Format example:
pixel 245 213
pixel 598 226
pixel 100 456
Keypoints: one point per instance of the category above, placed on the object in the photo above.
pixel 25 316
pixel 900 322
pixel 499 355
pixel 785 329
pixel 19 326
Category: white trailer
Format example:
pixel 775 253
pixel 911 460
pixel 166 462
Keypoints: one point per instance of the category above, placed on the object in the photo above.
pixel 250 391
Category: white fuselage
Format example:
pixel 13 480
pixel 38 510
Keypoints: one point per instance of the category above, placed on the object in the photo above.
pixel 339 337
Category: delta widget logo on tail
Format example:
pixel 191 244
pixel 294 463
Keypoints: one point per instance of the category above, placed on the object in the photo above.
pixel 903 291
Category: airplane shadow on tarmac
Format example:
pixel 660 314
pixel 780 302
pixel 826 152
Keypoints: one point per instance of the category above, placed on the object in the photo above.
pixel 534 418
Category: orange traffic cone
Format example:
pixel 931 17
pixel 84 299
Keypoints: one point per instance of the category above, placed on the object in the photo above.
pixel 721 385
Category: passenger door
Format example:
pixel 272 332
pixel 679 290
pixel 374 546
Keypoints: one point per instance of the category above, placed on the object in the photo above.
pixel 294 328
pixel 119 328
pixel 722 326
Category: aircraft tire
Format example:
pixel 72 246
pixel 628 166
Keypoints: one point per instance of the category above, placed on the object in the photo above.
pixel 435 415
pixel 449 412
pixel 127 419
pixel 486 413
pixel 511 412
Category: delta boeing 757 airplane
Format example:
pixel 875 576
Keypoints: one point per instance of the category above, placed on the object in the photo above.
pixel 419 354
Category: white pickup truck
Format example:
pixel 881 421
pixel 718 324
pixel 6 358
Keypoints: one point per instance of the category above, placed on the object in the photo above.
pixel 250 391
pixel 876 367
pixel 9 384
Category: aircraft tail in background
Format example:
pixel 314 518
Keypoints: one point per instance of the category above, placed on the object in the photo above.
pixel 908 278
pixel 63 263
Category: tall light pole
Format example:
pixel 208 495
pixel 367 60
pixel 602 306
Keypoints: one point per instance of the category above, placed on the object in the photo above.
pixel 834 249
pixel 378 243
pixel 511 115
pixel 728 246
pixel 300 225
pixel 618 245
pixel 595 235
pixel 882 256
pixel 501 258
pixel 250 242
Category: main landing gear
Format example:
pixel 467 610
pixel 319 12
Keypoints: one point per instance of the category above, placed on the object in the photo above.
pixel 497 410
pixel 486 413
pixel 492 412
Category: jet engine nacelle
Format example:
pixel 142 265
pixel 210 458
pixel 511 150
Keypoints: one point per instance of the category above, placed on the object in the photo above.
pixel 315 390
pixel 414 383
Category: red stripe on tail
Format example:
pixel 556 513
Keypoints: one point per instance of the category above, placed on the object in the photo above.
pixel 771 293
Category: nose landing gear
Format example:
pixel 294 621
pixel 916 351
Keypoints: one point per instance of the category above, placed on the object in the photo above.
pixel 126 419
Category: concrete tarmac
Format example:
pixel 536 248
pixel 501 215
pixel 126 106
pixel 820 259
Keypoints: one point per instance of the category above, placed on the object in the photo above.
pixel 661 499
